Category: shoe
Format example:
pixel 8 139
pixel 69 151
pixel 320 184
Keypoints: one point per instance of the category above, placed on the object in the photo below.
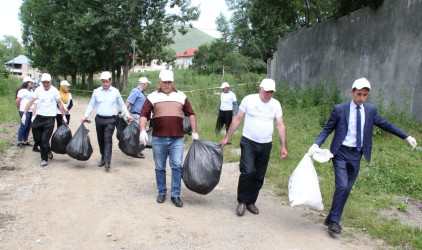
pixel 27 144
pixel 334 227
pixel 43 163
pixel 141 156
pixel 161 198
pixel 240 210
pixel 19 145
pixel 35 149
pixel 177 201
pixel 252 208
pixel 50 155
pixel 101 164
pixel 107 167
pixel 327 222
pixel 229 143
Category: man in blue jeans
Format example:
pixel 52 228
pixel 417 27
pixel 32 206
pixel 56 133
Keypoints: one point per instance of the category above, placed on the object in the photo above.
pixel 353 122
pixel 168 106
pixel 259 111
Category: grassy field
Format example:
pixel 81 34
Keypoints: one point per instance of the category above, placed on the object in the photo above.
pixel 395 170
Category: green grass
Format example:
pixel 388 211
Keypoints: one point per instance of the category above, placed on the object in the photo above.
pixel 395 170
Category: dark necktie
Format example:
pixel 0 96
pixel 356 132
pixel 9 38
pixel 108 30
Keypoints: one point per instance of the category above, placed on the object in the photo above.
pixel 358 130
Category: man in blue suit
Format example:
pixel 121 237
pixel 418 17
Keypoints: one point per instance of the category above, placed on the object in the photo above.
pixel 353 122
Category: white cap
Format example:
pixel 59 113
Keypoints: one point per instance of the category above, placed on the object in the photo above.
pixel 105 75
pixel 27 79
pixel 144 80
pixel 361 83
pixel 224 85
pixel 166 75
pixel 64 82
pixel 45 77
pixel 267 84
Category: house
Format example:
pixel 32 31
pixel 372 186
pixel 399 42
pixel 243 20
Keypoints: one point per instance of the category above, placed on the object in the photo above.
pixel 184 59
pixel 20 66
pixel 154 65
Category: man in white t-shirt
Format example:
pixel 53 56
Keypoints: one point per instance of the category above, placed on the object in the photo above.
pixel 225 111
pixel 47 98
pixel 259 111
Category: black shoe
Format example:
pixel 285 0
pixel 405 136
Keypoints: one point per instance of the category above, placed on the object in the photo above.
pixel 27 144
pixel 50 155
pixel 101 164
pixel 327 222
pixel 140 155
pixel 334 227
pixel 35 149
pixel 107 167
pixel 161 198
pixel 240 210
pixel 229 143
pixel 19 145
pixel 177 201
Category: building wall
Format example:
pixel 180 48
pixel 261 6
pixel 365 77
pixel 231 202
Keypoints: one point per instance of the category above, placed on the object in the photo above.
pixel 384 45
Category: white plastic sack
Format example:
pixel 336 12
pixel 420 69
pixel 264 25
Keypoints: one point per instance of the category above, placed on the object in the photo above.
pixel 322 155
pixel 304 185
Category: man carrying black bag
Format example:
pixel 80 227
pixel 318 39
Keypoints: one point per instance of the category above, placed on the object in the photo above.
pixel 105 98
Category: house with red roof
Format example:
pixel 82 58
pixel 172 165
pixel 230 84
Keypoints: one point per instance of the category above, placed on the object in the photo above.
pixel 184 59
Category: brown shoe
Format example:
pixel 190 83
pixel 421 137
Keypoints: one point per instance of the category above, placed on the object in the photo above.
pixel 240 210
pixel 107 167
pixel 252 208
pixel 101 164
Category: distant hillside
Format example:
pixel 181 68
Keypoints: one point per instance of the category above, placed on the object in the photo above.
pixel 192 39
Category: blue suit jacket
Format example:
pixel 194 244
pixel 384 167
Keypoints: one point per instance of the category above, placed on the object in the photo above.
pixel 339 121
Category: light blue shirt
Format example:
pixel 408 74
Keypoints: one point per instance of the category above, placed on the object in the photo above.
pixel 350 139
pixel 136 99
pixel 106 101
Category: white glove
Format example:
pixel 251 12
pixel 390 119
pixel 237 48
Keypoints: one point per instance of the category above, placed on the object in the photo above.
pixel 411 141
pixel 314 148
pixel 64 119
pixel 195 136
pixel 143 137
pixel 33 118
pixel 23 120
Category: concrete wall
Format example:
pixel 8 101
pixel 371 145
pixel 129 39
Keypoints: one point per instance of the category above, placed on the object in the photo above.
pixel 385 46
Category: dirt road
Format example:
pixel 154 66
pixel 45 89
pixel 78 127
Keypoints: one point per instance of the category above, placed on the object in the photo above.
pixel 72 204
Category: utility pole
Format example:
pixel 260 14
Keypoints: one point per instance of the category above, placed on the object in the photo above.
pixel 13 59
pixel 133 62
pixel 224 54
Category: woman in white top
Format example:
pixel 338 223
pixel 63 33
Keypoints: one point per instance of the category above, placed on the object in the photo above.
pixel 23 96
pixel 66 99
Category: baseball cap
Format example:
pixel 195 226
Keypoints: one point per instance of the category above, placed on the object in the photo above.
pixel 144 80
pixel 224 85
pixel 27 79
pixel 361 83
pixel 166 75
pixel 105 75
pixel 267 84
pixel 45 77
pixel 64 82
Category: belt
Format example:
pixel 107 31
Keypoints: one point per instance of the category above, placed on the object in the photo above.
pixel 106 117
pixel 349 148
pixel 136 113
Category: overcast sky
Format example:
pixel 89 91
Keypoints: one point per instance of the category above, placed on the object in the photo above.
pixel 210 9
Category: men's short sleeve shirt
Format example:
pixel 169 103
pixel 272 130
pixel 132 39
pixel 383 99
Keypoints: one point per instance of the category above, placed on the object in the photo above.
pixel 136 99
pixel 259 118
pixel 46 100
pixel 227 100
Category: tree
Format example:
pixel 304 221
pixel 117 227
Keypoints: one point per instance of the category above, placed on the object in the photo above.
pixel 65 37
pixel 9 48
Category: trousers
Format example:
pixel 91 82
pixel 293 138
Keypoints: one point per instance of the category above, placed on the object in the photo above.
pixel 105 129
pixel 42 129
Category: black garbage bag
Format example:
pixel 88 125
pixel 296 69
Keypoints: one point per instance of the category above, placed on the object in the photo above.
pixel 149 142
pixel 60 139
pixel 121 124
pixel 202 166
pixel 129 140
pixel 80 147
pixel 187 128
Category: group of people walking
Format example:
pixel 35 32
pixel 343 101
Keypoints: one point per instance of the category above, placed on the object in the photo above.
pixel 351 121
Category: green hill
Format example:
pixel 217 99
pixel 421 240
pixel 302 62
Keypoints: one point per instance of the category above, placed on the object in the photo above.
pixel 192 39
